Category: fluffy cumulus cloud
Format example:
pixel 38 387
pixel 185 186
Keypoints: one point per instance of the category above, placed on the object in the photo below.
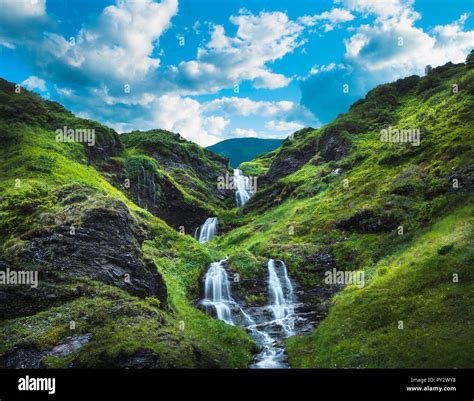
pixel 329 19
pixel 34 83
pixel 225 61
pixel 247 133
pixel 173 113
pixel 381 9
pixel 21 21
pixel 117 48
pixel 392 47
pixel 283 126
pixel 282 117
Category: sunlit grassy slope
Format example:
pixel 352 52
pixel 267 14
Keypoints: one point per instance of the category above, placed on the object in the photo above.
pixel 35 172
pixel 401 213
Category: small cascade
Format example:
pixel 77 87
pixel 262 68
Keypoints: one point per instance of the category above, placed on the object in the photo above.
pixel 153 188
pixel 146 187
pixel 217 296
pixel 281 296
pixel 243 188
pixel 269 324
pixel 208 230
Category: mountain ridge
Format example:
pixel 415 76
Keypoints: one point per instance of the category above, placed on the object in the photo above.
pixel 240 150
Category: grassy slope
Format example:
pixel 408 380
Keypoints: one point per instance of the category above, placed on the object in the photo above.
pixel 119 323
pixel 406 278
pixel 182 161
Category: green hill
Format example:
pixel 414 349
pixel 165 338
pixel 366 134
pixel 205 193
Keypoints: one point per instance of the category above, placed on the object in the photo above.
pixel 120 281
pixel 115 282
pixel 402 213
pixel 240 150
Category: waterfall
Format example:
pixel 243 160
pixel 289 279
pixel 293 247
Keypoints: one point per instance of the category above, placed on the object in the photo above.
pixel 280 292
pixel 243 188
pixel 217 292
pixel 208 230
pixel 144 186
pixel 153 188
pixel 269 323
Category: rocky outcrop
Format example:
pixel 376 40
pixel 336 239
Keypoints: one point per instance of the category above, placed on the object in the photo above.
pixel 369 221
pixel 102 245
pixel 330 144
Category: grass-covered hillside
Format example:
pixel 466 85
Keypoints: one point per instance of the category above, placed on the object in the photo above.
pixel 119 280
pixel 115 283
pixel 339 197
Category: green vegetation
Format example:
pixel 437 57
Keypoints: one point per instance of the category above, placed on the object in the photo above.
pixel 45 184
pixel 396 211
pixel 336 196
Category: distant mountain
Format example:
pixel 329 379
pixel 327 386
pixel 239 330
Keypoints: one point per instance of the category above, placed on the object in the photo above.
pixel 240 150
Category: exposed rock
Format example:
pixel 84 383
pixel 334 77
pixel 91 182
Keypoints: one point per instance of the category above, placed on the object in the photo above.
pixel 368 221
pixel 69 345
pixel 22 358
pixel 106 247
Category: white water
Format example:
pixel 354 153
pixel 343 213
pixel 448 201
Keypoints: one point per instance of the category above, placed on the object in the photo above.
pixel 281 296
pixel 208 230
pixel 217 292
pixel 267 332
pixel 243 188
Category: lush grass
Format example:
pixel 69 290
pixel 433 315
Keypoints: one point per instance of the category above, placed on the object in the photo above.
pixel 415 311
pixel 37 171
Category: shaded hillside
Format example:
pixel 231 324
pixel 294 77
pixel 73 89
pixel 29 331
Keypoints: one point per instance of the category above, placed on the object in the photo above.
pixel 240 150
pixel 115 283
pixel 340 197
pixel 173 178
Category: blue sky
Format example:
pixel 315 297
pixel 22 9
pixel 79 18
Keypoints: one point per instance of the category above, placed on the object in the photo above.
pixel 214 69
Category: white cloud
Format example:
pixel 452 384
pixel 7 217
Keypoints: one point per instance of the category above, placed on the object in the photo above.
pixel 119 46
pixel 395 47
pixel 382 9
pixel 228 60
pixel 215 125
pixel 392 47
pixel 20 21
pixel 22 9
pixel 331 18
pixel 33 82
pixel 247 107
pixel 284 126
pixel 246 133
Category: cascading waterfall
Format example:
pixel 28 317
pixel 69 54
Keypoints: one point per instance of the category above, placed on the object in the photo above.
pixel 243 188
pixel 265 330
pixel 217 292
pixel 146 186
pixel 281 296
pixel 208 230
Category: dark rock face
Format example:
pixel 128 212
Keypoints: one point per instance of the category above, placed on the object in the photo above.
pixel 22 358
pixel 106 247
pixel 31 357
pixel 332 144
pixel 369 221
pixel 288 161
pixel 171 206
